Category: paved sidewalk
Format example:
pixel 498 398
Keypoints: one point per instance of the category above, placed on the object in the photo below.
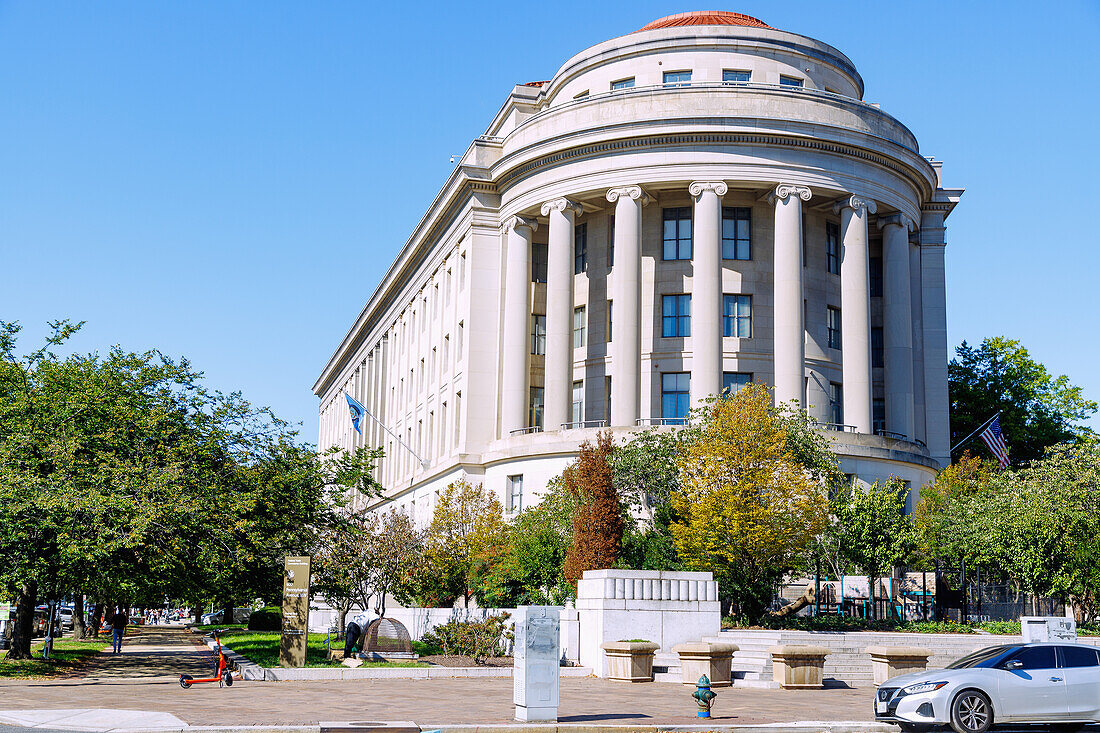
pixel 432 703
pixel 152 653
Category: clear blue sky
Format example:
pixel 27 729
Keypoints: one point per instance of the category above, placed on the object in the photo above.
pixel 229 180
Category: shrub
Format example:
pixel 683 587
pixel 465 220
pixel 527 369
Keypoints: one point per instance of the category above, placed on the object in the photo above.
pixel 269 618
pixel 477 639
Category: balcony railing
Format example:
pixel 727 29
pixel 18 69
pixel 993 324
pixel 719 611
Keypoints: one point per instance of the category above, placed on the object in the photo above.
pixel 892 434
pixel 661 421
pixel 584 424
pixel 527 430
pixel 836 427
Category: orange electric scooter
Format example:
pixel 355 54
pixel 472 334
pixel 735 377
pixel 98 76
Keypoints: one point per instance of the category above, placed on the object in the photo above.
pixel 222 675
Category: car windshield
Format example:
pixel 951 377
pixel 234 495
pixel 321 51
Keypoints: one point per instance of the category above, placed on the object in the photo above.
pixel 982 657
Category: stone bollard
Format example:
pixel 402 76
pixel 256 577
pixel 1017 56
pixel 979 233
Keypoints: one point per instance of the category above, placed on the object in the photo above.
pixel 713 659
pixel 798 667
pixel 630 661
pixel 891 661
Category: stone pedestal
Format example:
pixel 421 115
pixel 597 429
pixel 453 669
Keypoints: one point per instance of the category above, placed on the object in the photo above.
pixel 667 608
pixel 570 634
pixel 537 648
pixel 630 661
pixel 891 661
pixel 711 658
pixel 798 667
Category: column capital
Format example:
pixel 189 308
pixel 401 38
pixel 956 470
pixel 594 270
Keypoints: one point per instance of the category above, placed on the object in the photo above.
pixel 562 204
pixel 900 220
pixel 785 190
pixel 698 187
pixel 859 204
pixel 632 192
pixel 516 222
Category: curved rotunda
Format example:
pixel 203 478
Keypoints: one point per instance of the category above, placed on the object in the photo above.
pixel 701 203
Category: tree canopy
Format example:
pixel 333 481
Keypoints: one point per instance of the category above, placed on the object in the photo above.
pixel 1037 409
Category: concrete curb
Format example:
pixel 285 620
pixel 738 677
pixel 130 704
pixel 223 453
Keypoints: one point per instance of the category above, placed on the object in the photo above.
pixel 805 727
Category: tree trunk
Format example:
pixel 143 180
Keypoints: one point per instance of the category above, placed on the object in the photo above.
pixel 97 619
pixel 227 613
pixel 196 613
pixel 24 622
pixel 342 619
pixel 79 632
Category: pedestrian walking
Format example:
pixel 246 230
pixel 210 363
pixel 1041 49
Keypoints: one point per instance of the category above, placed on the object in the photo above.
pixel 118 621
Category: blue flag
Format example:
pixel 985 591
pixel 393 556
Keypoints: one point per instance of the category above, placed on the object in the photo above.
pixel 358 412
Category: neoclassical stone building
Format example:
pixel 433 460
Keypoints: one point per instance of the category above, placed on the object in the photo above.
pixel 704 202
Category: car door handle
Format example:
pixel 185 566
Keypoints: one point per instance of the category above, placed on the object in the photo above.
pixel 1055 679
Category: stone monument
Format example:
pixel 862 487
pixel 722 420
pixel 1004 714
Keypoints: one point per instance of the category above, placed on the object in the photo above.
pixel 537 653
pixel 292 643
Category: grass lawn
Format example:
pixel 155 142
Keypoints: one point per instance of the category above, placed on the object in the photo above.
pixel 262 647
pixel 68 655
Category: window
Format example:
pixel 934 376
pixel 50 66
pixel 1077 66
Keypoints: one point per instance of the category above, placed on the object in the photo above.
pixel 730 76
pixel 737 316
pixel 875 276
pixel 790 81
pixel 1035 657
pixel 578 327
pixel 611 241
pixel 539 254
pixel 675 316
pixel 732 382
pixel 675 387
pixel 878 415
pixel 423 371
pixel 447 288
pixel 836 403
pixel 833 327
pixel 878 348
pixel 580 248
pixel 677 233
pixel 607 397
pixel 534 416
pixel 622 84
pixel 458 346
pixel 677 78
pixel 538 334
pixel 433 362
pixel 577 415
pixel 608 339
pixel 736 233
pixel 458 415
pixel 1078 656
pixel 462 271
pixel 832 247
pixel 515 493
pixel 446 352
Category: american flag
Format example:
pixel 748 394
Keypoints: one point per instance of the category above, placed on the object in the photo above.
pixel 995 441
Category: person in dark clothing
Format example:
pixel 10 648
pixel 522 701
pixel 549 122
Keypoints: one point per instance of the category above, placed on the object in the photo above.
pixel 353 639
pixel 118 622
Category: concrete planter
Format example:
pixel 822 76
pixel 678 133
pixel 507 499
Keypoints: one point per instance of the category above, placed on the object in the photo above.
pixel 630 661
pixel 891 661
pixel 711 658
pixel 798 667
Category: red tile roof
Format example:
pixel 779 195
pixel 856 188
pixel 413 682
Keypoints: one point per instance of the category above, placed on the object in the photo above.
pixel 705 17
pixel 535 83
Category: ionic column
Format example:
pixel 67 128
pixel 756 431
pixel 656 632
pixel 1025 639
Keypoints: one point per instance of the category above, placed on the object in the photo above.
pixel 934 337
pixel 897 324
pixel 706 286
pixel 855 311
pixel 517 313
pixel 559 312
pixel 789 339
pixel 626 297
pixel 917 309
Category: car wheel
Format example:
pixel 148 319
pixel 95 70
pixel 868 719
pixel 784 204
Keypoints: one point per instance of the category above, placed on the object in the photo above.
pixel 971 712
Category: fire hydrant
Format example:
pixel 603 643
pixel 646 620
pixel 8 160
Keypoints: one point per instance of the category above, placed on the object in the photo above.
pixel 704 696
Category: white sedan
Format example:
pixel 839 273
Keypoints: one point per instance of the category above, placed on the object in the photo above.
pixel 1051 683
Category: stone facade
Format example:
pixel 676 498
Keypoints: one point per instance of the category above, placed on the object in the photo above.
pixel 732 164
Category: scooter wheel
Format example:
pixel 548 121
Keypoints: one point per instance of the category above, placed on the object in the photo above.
pixel 185 680
pixel 227 678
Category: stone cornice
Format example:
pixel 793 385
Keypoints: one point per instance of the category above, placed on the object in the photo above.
pixel 785 190
pixel 860 205
pixel 562 204
pixel 633 192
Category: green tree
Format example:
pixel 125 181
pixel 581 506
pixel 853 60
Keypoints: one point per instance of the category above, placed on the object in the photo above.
pixel 1037 408
pixel 748 508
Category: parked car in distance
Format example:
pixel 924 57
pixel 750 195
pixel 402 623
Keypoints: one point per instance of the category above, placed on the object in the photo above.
pixel 66 615
pixel 1040 683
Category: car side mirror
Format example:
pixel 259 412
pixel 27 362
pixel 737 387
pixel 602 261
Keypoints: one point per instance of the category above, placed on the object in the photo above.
pixel 1014 664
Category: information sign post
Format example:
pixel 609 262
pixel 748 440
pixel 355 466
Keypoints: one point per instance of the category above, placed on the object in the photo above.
pixel 292 644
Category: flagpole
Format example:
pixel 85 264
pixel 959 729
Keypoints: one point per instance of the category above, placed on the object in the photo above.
pixel 424 464
pixel 984 424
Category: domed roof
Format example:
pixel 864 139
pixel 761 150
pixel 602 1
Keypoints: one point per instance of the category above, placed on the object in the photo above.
pixel 705 17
